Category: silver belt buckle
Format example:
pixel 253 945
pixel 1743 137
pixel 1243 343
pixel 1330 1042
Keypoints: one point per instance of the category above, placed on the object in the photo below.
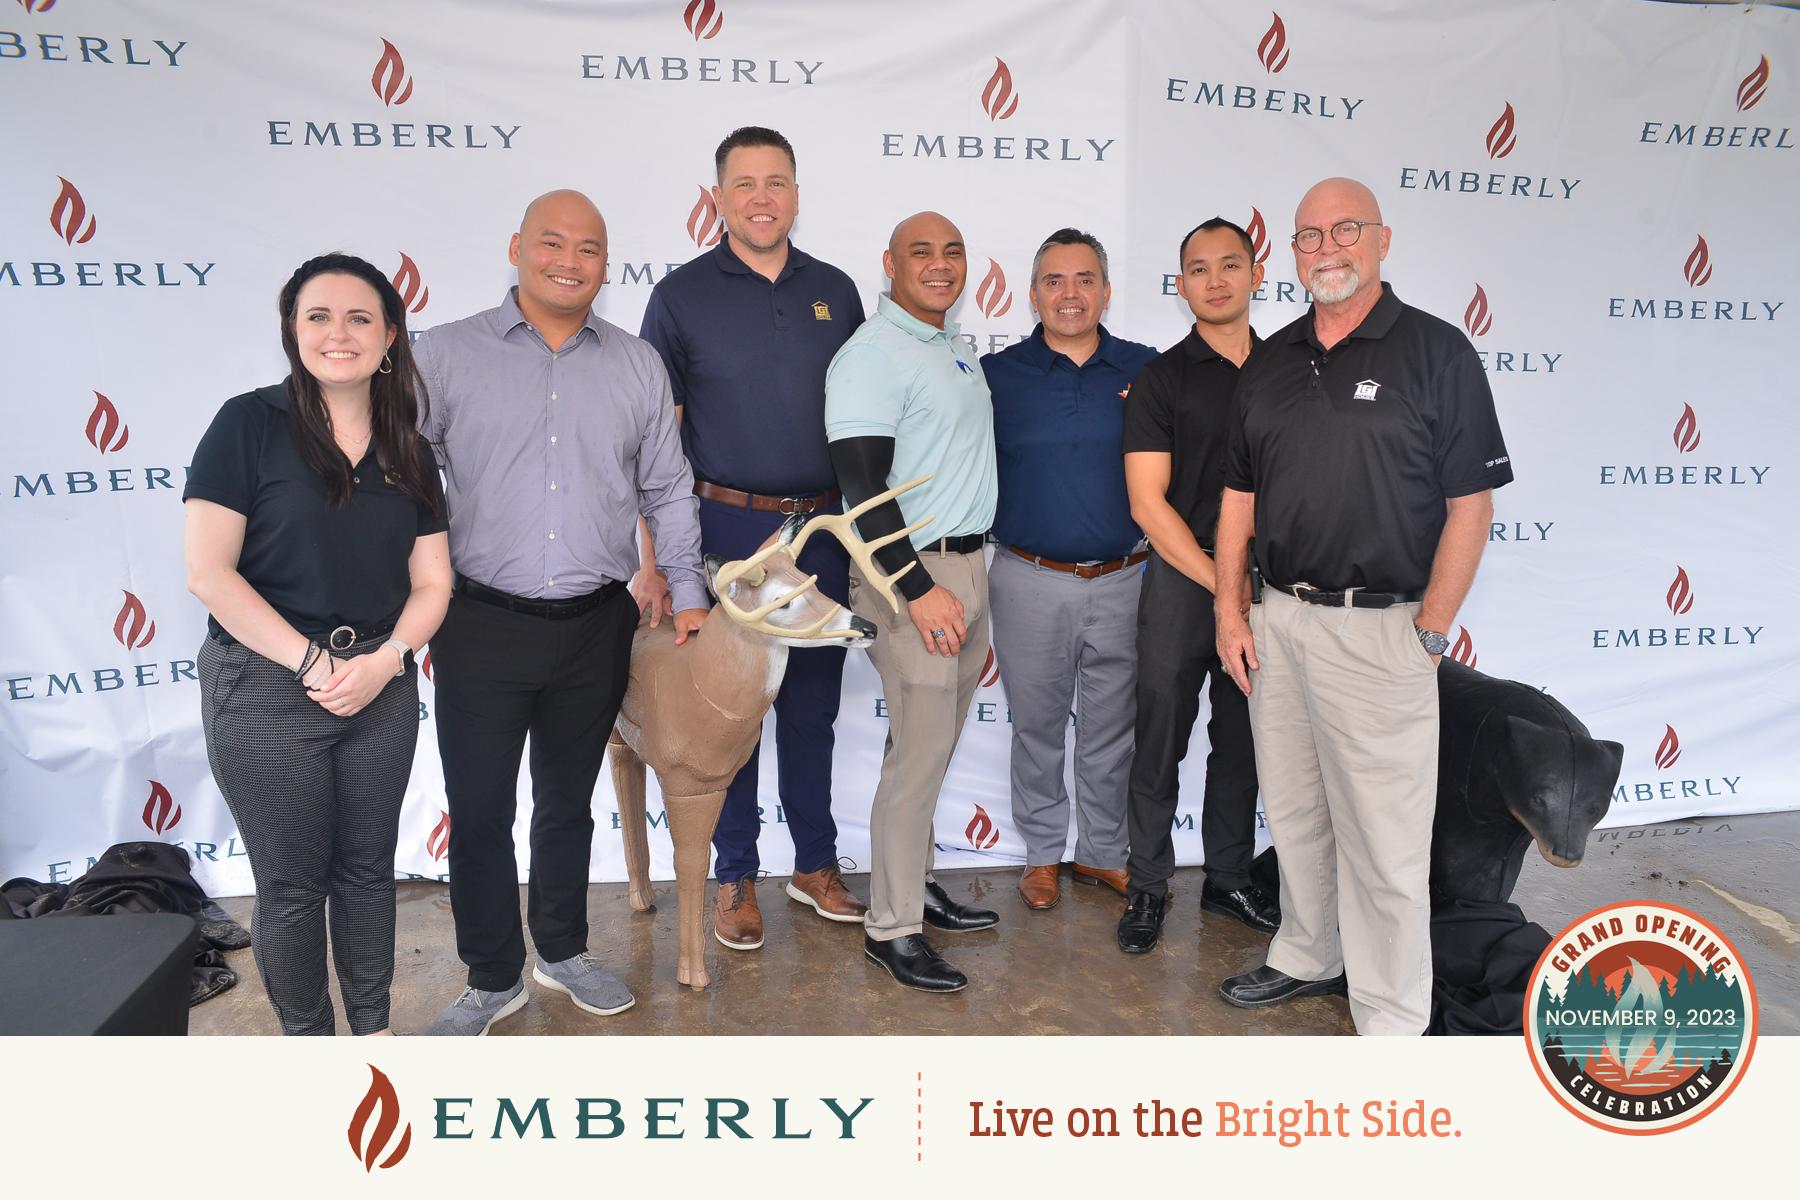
pixel 349 635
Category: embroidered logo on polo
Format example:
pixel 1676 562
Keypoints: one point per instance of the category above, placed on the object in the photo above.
pixel 1366 390
pixel 821 310
pixel 966 368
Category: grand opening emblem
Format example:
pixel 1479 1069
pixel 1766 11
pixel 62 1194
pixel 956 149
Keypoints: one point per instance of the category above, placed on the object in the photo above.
pixel 1641 1018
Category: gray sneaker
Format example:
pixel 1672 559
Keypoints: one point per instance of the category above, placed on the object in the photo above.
pixel 471 1013
pixel 591 986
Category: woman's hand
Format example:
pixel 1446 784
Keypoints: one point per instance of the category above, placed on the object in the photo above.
pixel 355 682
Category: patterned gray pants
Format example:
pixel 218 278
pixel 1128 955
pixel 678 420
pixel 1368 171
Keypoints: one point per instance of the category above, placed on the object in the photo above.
pixel 317 801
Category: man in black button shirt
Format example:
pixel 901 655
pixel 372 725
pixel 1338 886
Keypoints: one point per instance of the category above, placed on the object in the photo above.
pixel 1175 429
pixel 1363 454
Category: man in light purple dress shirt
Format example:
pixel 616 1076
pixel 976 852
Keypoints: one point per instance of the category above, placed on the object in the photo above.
pixel 555 430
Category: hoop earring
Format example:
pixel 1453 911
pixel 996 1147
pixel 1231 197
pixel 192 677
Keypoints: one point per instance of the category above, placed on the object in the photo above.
pixel 386 368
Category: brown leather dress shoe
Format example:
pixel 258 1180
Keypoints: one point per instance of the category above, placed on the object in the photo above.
pixel 1116 879
pixel 737 922
pixel 1041 887
pixel 824 891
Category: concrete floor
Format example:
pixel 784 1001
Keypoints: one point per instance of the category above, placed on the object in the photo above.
pixel 1059 971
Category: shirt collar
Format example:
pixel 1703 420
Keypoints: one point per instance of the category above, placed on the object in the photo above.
pixel 511 317
pixel 886 307
pixel 1199 350
pixel 1037 352
pixel 276 394
pixel 726 259
pixel 1380 320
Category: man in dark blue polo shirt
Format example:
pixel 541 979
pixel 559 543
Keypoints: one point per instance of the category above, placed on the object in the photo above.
pixel 747 330
pixel 1064 584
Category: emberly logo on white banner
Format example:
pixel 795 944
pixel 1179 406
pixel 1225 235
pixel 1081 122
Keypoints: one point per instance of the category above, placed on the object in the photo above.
pixel 393 86
pixel 1273 53
pixel 1750 91
pixel 1501 140
pixel 1686 437
pixel 1697 270
pixel 999 100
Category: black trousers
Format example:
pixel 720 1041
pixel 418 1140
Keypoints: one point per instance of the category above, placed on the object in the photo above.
pixel 317 799
pixel 500 676
pixel 1177 655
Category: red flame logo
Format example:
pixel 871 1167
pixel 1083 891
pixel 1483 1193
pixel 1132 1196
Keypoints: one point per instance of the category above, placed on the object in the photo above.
pixel 981 831
pixel 161 813
pixel 1698 267
pixel 990 670
pixel 379 1096
pixel 437 842
pixel 1669 749
pixel 1687 430
pixel 37 6
pixel 1259 236
pixel 105 432
pixel 1754 85
pixel 703 223
pixel 1680 596
pixel 1273 47
pixel 1500 139
pixel 414 295
pixel 425 665
pixel 390 80
pixel 69 215
pixel 1464 649
pixel 703 19
pixel 993 298
pixel 1476 318
pixel 997 98
pixel 133 627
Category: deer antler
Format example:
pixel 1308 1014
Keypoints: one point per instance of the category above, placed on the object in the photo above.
pixel 841 526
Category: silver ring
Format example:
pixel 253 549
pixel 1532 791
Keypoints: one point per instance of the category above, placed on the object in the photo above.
pixel 937 633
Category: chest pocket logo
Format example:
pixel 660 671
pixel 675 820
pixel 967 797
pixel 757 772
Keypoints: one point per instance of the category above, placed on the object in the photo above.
pixel 1366 390
pixel 821 311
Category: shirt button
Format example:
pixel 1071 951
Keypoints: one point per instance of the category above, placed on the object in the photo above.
pixel 553 395
pixel 553 439
pixel 553 537
pixel 553 485
pixel 552 583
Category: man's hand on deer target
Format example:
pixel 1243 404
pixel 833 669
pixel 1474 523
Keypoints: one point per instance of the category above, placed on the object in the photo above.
pixel 688 621
pixel 938 616
pixel 650 592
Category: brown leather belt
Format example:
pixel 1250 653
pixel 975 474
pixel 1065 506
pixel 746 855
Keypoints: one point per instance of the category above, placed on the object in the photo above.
pixel 780 504
pixel 1083 570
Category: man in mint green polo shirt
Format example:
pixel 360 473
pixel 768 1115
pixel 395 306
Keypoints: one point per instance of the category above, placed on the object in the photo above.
pixel 904 399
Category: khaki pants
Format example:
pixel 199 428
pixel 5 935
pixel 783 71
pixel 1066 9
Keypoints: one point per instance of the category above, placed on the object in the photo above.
pixel 1345 716
pixel 928 696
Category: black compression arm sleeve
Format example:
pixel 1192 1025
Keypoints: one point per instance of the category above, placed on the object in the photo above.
pixel 862 465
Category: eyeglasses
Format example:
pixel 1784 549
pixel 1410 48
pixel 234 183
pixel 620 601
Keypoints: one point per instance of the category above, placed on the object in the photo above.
pixel 1344 233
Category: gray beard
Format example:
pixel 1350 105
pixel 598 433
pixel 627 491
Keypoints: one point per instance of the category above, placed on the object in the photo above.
pixel 1351 280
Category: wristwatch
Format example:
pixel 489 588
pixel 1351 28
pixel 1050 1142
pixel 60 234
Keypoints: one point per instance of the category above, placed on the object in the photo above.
pixel 406 655
pixel 1435 643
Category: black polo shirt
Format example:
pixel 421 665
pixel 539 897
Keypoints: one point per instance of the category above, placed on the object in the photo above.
pixel 747 361
pixel 1352 452
pixel 1178 405
pixel 318 566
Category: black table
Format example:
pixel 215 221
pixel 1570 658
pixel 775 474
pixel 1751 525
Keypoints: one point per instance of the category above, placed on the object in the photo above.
pixel 118 974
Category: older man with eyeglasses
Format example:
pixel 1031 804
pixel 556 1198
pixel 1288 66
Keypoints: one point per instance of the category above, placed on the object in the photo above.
pixel 1363 456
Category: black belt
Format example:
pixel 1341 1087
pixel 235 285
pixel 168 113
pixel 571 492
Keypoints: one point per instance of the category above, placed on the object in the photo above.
pixel 343 638
pixel 1349 598
pixel 553 610
pixel 969 543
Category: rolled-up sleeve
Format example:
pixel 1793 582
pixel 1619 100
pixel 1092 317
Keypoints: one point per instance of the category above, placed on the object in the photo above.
pixel 665 488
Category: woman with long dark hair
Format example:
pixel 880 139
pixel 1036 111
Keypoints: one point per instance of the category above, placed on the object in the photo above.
pixel 315 536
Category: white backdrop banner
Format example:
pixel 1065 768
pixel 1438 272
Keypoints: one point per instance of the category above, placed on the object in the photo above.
pixel 1601 194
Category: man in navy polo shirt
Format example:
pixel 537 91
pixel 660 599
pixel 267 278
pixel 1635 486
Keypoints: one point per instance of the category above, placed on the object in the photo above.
pixel 1065 579
pixel 1364 452
pixel 747 331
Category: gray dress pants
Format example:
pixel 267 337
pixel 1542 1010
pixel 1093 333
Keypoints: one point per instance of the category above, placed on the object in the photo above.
pixel 1067 648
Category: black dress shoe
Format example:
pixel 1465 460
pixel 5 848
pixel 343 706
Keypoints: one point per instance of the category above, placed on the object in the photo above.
pixel 1265 986
pixel 914 964
pixel 1251 905
pixel 1142 923
pixel 941 912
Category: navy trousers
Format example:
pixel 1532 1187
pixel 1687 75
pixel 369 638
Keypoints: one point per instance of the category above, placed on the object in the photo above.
pixel 806 710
